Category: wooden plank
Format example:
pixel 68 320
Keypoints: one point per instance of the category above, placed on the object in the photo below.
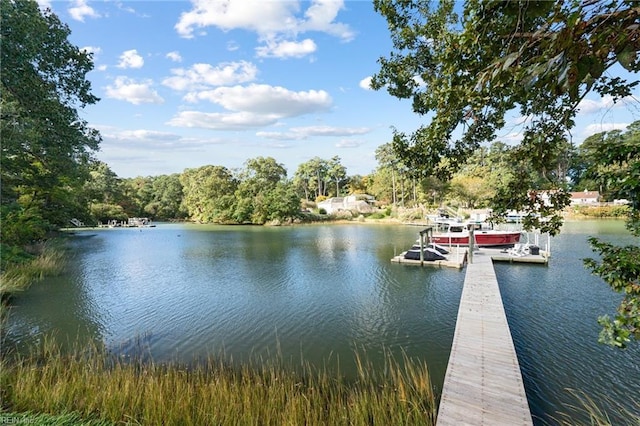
pixel 483 383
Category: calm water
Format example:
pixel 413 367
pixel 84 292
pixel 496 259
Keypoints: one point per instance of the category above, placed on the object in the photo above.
pixel 179 292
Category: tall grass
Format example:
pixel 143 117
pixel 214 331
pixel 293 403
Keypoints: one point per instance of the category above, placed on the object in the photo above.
pixel 17 277
pixel 97 386
pixel 20 276
pixel 596 412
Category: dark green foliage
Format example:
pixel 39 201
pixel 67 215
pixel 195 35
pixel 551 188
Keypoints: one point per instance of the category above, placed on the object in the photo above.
pixel 617 166
pixel 620 268
pixel 45 144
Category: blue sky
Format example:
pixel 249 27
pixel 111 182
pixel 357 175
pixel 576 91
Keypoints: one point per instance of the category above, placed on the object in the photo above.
pixel 185 83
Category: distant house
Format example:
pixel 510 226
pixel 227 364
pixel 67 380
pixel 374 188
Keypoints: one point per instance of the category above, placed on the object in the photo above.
pixel 361 203
pixel 585 198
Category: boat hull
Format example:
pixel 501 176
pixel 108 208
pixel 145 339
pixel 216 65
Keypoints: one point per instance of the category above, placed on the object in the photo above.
pixel 482 238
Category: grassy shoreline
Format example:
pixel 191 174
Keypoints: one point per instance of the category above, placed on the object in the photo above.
pixel 98 387
pixel 19 275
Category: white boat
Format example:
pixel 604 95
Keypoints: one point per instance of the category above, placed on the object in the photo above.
pixel 484 236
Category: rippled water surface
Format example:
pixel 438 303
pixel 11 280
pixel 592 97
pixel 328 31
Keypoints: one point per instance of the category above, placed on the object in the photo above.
pixel 317 293
pixel 552 312
pixel 311 292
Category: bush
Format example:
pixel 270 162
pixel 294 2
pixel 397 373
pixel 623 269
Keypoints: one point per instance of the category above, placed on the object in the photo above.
pixel 343 214
pixel 378 215
pixel 602 211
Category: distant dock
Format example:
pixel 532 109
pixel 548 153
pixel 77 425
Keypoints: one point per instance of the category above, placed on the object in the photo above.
pixel 483 383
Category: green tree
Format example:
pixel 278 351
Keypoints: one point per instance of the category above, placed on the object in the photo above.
pixel 302 180
pixel 104 191
pixel 138 193
pixel 358 184
pixel 469 70
pixel 208 193
pixel 593 173
pixel 388 159
pixel 264 193
pixel 618 166
pixel 167 198
pixel 337 172
pixel 46 146
pixel 103 184
pixel 473 191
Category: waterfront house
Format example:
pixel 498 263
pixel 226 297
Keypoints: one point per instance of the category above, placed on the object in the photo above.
pixel 361 203
pixel 585 198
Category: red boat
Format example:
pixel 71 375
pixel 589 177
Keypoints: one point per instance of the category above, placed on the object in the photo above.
pixel 458 234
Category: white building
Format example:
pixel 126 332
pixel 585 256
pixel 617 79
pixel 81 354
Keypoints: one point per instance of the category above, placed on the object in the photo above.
pixel 585 198
pixel 361 203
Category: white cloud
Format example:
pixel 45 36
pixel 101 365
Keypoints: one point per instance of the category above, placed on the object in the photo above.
pixel 142 134
pixel 130 59
pixel 140 140
pixel 589 106
pixel 279 136
pixel 126 8
pixel 251 107
pixel 592 129
pixel 270 20
pixel 298 133
pixel 287 49
pixel 349 143
pixel 201 76
pixel 330 131
pixel 92 49
pixel 174 56
pixel 365 83
pixel 511 138
pixel 81 9
pixel 44 4
pixel 265 99
pixel 262 17
pixel 321 15
pixel 222 121
pixel 137 93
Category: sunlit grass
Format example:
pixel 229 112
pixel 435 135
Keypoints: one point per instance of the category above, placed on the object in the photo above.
pixel 595 411
pixel 20 276
pixel 95 385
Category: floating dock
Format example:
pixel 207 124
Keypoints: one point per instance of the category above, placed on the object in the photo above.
pixel 483 383
pixel 456 258
pixel 498 256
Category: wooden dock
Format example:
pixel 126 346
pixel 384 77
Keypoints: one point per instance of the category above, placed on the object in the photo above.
pixel 500 256
pixel 483 383
pixel 455 259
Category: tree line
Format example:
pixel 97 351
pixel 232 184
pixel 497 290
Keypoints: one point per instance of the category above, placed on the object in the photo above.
pixel 261 191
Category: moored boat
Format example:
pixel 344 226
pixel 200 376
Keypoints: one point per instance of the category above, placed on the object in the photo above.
pixel 428 254
pixel 459 235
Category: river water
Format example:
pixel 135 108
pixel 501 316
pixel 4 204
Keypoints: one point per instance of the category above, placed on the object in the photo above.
pixel 319 293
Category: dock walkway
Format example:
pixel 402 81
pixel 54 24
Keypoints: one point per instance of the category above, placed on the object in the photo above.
pixel 483 383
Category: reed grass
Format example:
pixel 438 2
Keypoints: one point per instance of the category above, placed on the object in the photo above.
pixel 594 410
pixel 98 386
pixel 18 277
